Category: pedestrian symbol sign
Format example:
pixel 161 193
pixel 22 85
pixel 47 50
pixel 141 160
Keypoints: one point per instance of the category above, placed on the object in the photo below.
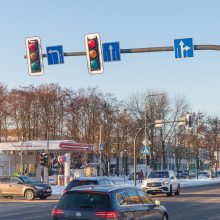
pixel 183 48
pixel 146 150
pixel 111 52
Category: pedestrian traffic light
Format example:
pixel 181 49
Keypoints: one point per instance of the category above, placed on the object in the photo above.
pixel 34 56
pixel 94 53
pixel 42 159
pixel 189 121
pixel 148 160
pixel 45 160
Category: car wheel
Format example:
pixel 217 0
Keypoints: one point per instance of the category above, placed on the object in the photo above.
pixel 177 190
pixel 29 195
pixel 165 217
pixel 171 191
pixel 42 197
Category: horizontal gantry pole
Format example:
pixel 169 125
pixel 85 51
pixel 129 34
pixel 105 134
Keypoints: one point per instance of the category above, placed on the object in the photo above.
pixel 147 50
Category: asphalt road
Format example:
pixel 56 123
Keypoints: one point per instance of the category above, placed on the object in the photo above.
pixel 194 203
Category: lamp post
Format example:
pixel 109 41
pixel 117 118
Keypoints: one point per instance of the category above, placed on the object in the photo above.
pixel 135 162
pixel 146 142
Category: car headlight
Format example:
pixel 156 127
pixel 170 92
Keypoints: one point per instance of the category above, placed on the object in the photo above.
pixel 39 187
pixel 165 183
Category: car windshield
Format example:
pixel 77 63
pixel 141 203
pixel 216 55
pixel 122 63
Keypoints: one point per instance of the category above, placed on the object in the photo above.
pixel 160 174
pixel 27 179
pixel 84 200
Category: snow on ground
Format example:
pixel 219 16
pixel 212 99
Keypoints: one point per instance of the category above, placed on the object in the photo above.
pixel 58 190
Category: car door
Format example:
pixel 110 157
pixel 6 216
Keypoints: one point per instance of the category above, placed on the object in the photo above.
pixel 5 186
pixel 149 211
pixel 142 211
pixel 173 181
pixel 125 210
pixel 16 186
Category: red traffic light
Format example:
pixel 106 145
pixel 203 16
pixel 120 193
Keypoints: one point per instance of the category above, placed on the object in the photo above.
pixel 34 56
pixel 32 46
pixel 94 53
pixel 92 43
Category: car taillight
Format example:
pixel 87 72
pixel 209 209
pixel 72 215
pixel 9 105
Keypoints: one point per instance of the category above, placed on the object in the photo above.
pixel 64 191
pixel 57 212
pixel 107 214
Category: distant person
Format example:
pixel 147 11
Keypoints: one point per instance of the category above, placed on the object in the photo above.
pixel 140 176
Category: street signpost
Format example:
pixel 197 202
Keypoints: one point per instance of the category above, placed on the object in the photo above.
pixel 183 48
pixel 111 52
pixel 55 55
pixel 101 147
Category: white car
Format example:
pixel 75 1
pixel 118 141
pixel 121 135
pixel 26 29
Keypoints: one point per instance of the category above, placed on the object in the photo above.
pixel 161 182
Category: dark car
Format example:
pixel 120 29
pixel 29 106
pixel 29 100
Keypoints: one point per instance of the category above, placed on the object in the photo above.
pixel 11 186
pixel 80 181
pixel 107 202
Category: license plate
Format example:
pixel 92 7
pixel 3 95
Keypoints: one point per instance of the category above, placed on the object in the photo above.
pixel 48 190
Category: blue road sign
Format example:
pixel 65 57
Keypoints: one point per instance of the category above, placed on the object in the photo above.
pixel 183 48
pixel 146 150
pixel 111 52
pixel 101 147
pixel 55 55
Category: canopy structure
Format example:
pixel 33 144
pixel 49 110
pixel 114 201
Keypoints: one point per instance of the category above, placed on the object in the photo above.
pixel 66 145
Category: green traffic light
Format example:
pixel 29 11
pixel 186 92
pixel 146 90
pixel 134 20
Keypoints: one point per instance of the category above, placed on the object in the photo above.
pixel 94 64
pixel 34 66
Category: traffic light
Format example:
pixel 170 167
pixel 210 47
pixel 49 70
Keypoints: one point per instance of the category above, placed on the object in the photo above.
pixel 189 121
pixel 148 160
pixel 94 53
pixel 45 160
pixel 42 159
pixel 34 56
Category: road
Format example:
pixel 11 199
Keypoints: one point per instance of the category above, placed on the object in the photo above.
pixel 194 203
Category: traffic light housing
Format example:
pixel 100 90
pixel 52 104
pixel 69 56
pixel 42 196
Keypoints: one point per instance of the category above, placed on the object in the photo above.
pixel 45 160
pixel 94 53
pixel 189 121
pixel 34 56
pixel 42 159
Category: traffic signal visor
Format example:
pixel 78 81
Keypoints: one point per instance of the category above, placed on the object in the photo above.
pixel 34 56
pixel 94 53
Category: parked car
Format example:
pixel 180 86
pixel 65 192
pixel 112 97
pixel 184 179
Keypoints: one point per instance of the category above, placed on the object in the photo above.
pixel 131 176
pixel 107 202
pixel 11 186
pixel 161 182
pixel 80 181
pixel 184 175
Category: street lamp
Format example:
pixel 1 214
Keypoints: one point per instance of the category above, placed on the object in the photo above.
pixel 146 142
pixel 135 162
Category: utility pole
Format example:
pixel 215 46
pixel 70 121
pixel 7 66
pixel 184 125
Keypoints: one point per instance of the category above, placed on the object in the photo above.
pixel 46 168
pixel 146 141
pixel 100 151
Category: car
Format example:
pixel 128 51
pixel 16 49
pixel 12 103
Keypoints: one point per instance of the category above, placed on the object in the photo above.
pixel 25 186
pixel 80 181
pixel 131 176
pixel 161 182
pixel 107 202
pixel 184 175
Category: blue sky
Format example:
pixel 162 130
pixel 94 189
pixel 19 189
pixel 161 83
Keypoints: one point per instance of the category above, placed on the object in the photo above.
pixel 135 24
